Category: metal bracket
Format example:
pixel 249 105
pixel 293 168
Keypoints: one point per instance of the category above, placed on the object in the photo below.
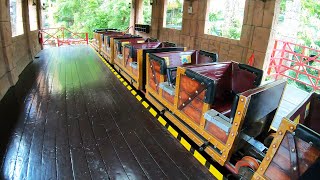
pixel 204 146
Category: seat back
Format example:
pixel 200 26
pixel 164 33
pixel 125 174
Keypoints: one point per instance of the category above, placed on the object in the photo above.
pixel 168 44
pixel 120 42
pixel 157 50
pixel 264 102
pixel 206 57
pixel 245 77
pixel 150 39
pixel 116 35
pixel 104 29
pixel 173 59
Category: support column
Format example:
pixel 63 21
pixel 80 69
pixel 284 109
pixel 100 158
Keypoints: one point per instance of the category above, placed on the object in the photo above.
pixel 6 54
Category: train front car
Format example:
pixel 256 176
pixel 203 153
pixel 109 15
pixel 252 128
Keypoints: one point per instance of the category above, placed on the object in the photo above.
pixel 134 64
pixel 295 149
pixel 162 70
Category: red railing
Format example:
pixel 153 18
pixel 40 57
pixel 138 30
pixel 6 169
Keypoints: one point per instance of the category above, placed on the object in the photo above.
pixel 296 62
pixel 61 36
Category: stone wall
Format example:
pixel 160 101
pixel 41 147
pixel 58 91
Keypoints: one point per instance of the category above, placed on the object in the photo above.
pixel 15 52
pixel 256 31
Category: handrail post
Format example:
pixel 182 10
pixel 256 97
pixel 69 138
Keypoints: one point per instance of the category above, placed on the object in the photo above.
pixel 40 37
pixel 62 33
pixel 87 38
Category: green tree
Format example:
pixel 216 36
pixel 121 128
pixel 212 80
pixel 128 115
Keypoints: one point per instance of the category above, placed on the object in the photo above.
pixel 86 15
pixel 147 9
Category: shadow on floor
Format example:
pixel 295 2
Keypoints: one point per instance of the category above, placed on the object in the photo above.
pixel 12 103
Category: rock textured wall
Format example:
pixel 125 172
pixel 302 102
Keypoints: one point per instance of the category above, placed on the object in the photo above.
pixel 257 31
pixel 15 52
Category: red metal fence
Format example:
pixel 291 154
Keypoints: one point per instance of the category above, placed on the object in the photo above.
pixel 61 36
pixel 298 63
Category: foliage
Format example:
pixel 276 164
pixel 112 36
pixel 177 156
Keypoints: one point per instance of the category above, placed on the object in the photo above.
pixel 174 14
pixel 235 31
pixel 308 35
pixel 313 6
pixel 215 17
pixel 225 18
pixel 147 9
pixel 86 15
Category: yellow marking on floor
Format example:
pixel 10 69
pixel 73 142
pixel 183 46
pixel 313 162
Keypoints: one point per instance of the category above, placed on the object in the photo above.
pixel 134 92
pixel 118 76
pixel 199 157
pixel 185 144
pixel 145 104
pixel 162 121
pixel 139 97
pixel 125 83
pixel 129 88
pixel 173 132
pixel 215 172
pixel 153 112
pixel 121 79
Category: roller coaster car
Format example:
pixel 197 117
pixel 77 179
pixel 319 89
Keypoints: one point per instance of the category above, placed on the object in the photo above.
pixel 109 50
pixel 295 150
pixel 98 35
pixel 161 72
pixel 108 33
pixel 134 64
pixel 221 107
pixel 119 46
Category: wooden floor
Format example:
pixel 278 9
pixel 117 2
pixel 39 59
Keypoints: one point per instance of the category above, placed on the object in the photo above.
pixel 73 119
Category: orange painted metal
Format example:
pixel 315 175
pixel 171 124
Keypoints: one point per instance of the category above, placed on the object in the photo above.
pixel 58 37
pixel 298 60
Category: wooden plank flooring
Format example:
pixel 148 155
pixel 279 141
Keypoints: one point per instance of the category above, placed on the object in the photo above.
pixel 292 98
pixel 77 121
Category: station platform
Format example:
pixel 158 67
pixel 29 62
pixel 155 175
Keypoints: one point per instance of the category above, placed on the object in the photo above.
pixel 73 119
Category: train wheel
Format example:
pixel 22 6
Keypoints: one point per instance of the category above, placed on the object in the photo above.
pixel 246 167
pixel 245 172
